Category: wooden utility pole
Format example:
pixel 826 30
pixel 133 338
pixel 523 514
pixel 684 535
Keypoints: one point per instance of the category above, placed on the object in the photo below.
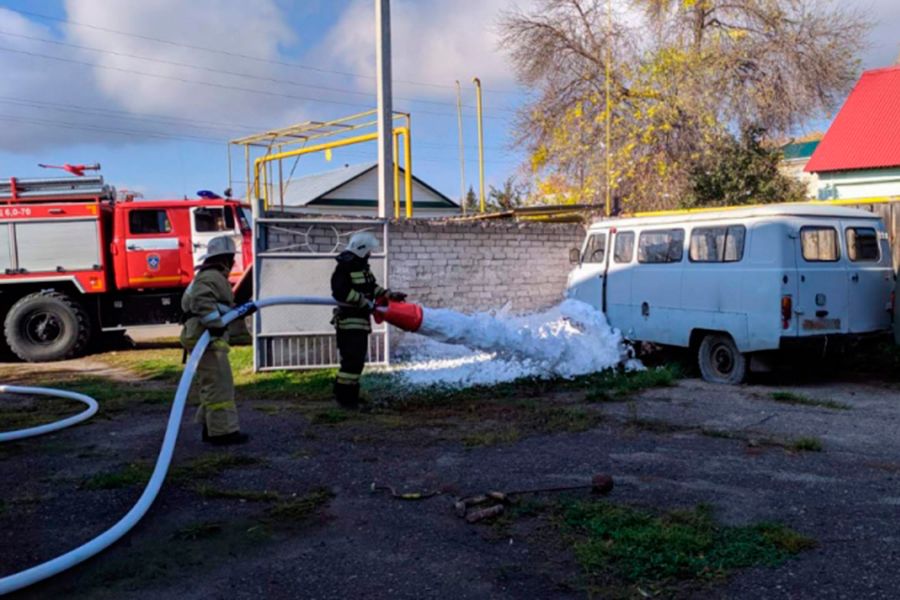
pixel 385 109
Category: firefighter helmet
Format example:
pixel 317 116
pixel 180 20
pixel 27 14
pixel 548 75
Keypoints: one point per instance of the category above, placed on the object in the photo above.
pixel 362 244
pixel 217 246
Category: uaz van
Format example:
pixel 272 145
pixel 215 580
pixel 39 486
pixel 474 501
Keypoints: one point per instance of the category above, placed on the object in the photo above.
pixel 735 283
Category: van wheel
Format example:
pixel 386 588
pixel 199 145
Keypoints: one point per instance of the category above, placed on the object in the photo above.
pixel 720 361
pixel 47 325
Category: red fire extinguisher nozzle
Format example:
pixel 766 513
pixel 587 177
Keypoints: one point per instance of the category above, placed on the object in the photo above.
pixel 403 315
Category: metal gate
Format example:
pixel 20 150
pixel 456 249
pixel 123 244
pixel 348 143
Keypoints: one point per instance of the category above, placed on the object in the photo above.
pixel 294 256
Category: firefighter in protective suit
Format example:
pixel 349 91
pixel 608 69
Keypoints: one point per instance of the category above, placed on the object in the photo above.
pixel 353 285
pixel 206 300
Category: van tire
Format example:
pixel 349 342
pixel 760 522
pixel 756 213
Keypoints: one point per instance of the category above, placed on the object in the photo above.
pixel 720 361
pixel 46 326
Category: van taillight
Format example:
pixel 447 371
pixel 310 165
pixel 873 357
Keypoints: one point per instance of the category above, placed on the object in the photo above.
pixel 787 307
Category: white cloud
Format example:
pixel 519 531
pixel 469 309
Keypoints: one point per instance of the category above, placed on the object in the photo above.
pixel 432 41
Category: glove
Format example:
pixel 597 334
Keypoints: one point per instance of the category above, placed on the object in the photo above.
pixel 396 296
pixel 216 331
pixel 370 306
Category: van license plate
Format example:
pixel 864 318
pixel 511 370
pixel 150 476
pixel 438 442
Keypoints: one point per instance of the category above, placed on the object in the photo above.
pixel 817 324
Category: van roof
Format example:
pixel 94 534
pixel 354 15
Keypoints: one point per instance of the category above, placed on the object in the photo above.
pixel 786 209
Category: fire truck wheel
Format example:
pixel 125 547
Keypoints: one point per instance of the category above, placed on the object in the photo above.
pixel 45 326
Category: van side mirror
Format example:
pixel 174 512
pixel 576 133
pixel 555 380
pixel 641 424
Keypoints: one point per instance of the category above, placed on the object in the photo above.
pixel 574 256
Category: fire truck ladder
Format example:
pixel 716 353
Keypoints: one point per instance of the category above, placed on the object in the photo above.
pixel 62 188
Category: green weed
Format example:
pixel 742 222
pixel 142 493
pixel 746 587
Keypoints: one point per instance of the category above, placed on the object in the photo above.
pixel 616 386
pixel 794 398
pixel 131 474
pixel 492 437
pixel 212 464
pixel 806 444
pixel 638 546
pixel 300 509
pixel 331 416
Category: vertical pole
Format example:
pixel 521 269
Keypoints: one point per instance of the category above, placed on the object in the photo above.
pixel 462 152
pixel 385 108
pixel 407 164
pixel 478 108
pixel 396 173
pixel 228 152
pixel 608 106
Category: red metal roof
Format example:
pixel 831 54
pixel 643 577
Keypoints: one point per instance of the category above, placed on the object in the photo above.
pixel 866 132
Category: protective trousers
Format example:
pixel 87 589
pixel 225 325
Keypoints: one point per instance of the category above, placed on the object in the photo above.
pixel 216 390
pixel 353 344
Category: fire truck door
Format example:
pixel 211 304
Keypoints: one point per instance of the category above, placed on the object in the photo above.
pixel 208 222
pixel 152 249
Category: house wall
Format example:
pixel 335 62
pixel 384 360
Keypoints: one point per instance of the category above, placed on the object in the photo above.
pixel 794 169
pixel 863 183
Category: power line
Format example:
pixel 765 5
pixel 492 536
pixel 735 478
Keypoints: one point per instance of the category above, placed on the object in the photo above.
pixel 227 72
pixel 54 123
pixel 210 83
pixel 240 55
pixel 228 128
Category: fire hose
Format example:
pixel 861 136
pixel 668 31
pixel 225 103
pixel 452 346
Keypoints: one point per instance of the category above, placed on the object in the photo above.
pixel 407 316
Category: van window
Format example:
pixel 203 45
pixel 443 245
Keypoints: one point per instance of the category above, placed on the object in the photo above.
pixel 148 221
pixel 595 250
pixel 624 250
pixel 661 246
pixel 820 244
pixel 213 219
pixel 717 244
pixel 862 244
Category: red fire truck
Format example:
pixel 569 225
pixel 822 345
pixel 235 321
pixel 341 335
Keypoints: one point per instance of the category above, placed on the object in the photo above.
pixel 76 262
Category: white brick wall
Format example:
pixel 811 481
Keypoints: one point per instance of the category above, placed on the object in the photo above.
pixel 474 266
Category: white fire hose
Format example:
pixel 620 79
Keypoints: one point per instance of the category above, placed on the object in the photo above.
pixel 52 567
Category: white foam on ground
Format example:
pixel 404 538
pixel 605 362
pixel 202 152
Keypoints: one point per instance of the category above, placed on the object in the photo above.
pixel 462 350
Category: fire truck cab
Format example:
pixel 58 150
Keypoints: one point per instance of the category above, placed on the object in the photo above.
pixel 76 261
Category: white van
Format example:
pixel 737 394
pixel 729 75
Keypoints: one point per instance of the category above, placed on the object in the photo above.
pixel 734 282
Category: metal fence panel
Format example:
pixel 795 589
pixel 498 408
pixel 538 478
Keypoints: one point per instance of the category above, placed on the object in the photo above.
pixel 295 257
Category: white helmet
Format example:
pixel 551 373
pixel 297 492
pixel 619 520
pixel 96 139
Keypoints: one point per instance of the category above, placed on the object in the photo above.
pixel 362 244
pixel 222 244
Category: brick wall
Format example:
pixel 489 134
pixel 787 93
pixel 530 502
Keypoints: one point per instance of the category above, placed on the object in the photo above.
pixel 482 265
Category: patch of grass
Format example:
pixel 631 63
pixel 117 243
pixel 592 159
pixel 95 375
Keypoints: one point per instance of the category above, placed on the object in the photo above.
pixel 794 398
pixel 492 437
pixel 331 416
pixel 556 420
pixel 212 464
pixel 131 474
pixel 614 542
pixel 198 531
pixel 618 385
pixel 208 491
pixel 806 444
pixel 300 509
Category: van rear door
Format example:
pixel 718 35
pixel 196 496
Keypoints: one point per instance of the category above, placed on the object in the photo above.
pixel 822 298
pixel 869 275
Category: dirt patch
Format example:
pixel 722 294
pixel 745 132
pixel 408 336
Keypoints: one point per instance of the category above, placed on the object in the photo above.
pixel 294 515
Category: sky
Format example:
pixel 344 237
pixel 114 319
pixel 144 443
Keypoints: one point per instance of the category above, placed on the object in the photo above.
pixel 153 90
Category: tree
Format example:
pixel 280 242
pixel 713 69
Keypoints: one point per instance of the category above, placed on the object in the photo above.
pixel 471 200
pixel 683 76
pixel 741 171
pixel 511 195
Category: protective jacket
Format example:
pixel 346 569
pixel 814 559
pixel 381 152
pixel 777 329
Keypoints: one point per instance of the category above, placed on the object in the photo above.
pixel 353 283
pixel 204 303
